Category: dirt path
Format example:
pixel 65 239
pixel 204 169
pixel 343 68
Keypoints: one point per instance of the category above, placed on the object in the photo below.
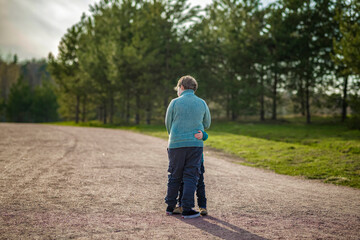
pixel 67 182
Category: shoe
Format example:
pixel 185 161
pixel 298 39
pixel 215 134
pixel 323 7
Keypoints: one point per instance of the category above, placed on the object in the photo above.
pixel 169 210
pixel 178 210
pixel 190 214
pixel 203 211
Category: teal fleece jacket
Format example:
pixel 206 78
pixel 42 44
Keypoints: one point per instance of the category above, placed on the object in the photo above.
pixel 185 116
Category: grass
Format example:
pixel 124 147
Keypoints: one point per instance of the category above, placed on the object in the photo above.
pixel 324 150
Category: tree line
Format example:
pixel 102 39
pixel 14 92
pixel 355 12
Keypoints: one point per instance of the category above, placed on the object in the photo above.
pixel 27 91
pixel 120 63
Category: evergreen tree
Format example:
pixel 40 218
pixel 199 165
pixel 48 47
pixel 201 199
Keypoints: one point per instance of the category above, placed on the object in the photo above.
pixel 65 68
pixel 347 46
pixel 18 107
pixel 44 105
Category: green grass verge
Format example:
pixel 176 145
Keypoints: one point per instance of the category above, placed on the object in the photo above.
pixel 324 150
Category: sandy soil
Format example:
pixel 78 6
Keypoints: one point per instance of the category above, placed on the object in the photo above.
pixel 80 183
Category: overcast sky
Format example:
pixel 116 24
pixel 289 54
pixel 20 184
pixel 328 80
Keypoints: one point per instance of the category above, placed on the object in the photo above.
pixel 33 28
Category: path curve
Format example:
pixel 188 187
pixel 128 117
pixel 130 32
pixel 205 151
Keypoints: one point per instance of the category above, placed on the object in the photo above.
pixel 61 182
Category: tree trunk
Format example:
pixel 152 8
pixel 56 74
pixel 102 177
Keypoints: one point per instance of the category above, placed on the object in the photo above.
pixel 167 74
pixel 228 106
pixel 302 99
pixel 105 113
pixel 84 109
pixel 307 93
pixel 77 109
pixel 111 107
pixel 274 117
pixel 100 113
pixel 262 111
pixel 233 115
pixel 148 114
pixel 344 101
pixel 166 103
pixel 233 108
pixel 127 107
pixel 137 114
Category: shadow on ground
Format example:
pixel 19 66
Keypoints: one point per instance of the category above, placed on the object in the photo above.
pixel 220 228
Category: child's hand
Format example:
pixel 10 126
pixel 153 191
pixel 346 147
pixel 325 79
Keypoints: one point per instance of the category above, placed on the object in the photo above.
pixel 199 135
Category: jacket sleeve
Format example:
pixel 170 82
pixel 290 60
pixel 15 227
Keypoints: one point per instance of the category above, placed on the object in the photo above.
pixel 205 136
pixel 169 116
pixel 207 118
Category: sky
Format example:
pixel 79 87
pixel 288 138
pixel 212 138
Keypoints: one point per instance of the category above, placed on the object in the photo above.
pixel 33 28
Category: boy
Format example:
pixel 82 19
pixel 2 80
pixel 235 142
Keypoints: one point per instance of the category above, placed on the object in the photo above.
pixel 200 191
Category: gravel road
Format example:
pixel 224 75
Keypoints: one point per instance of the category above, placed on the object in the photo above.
pixel 61 182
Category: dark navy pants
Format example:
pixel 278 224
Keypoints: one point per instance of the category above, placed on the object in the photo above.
pixel 200 190
pixel 184 166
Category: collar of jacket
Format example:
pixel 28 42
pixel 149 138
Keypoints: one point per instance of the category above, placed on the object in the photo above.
pixel 187 92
